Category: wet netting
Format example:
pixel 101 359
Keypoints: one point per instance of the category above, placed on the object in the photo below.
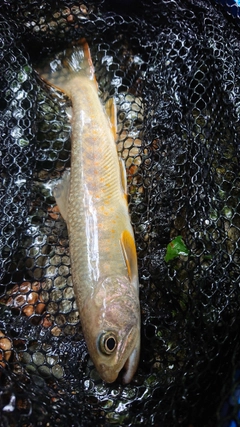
pixel 173 68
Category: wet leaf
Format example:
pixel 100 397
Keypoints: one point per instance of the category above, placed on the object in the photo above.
pixel 175 248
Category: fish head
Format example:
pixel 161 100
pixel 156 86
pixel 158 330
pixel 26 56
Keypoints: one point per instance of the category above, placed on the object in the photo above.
pixel 111 327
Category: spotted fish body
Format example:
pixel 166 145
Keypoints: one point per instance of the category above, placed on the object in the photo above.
pixel 92 199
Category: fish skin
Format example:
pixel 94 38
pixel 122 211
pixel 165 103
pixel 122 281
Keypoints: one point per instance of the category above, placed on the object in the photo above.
pixel 94 205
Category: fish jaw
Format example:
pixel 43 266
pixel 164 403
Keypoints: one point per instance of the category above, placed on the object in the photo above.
pixel 131 364
pixel 113 310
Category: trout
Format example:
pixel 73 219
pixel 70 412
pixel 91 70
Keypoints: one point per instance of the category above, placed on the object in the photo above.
pixel 92 198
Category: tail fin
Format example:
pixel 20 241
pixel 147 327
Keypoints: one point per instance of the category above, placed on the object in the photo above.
pixel 67 64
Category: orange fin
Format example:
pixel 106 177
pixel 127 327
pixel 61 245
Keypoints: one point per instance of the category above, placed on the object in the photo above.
pixel 130 256
pixel 111 110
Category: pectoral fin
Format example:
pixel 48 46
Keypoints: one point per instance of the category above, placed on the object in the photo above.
pixel 130 256
pixel 111 110
pixel 61 192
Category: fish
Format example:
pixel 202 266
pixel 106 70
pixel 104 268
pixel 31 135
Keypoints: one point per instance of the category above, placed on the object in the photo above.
pixel 92 199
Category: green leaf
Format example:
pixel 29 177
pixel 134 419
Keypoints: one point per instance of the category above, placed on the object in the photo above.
pixel 175 248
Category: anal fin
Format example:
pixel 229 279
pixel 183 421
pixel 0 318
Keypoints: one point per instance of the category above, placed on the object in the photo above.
pixel 61 192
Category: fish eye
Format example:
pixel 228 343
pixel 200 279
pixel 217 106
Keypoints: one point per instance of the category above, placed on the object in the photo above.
pixel 108 343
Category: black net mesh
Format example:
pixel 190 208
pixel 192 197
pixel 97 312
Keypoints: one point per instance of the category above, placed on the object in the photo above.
pixel 173 68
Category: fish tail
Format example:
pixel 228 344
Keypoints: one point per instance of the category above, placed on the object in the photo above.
pixel 72 62
pixel 78 59
pixel 87 56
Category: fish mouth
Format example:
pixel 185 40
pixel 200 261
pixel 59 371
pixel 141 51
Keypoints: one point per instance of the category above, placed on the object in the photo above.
pixel 127 371
pixel 130 367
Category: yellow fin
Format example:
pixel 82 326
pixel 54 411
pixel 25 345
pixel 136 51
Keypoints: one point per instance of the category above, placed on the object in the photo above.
pixel 123 176
pixel 130 256
pixel 111 110
pixel 61 192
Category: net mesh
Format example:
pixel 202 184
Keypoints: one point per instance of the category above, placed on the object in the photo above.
pixel 173 68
